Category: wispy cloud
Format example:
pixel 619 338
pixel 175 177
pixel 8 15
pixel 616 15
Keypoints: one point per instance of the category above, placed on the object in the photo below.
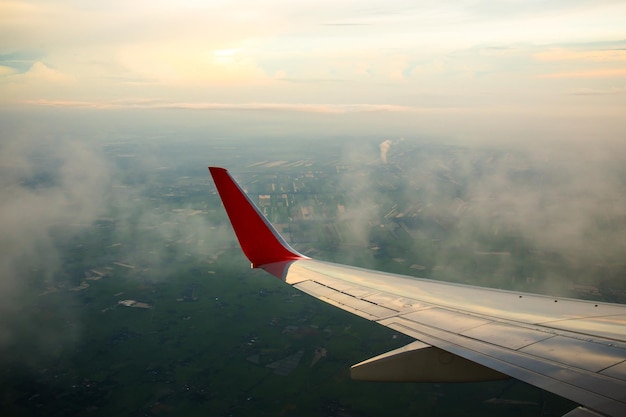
pixel 294 107
pixel 577 55
pixel 543 205
pixel 596 73
pixel 598 92
pixel 55 187
pixel 4 71
pixel 39 202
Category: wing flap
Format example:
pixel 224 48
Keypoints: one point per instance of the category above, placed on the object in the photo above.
pixel 582 412
pixel 419 362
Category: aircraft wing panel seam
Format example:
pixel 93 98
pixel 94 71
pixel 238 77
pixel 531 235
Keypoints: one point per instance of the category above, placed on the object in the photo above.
pixel 611 366
pixel 601 316
pixel 347 293
pixel 355 305
pixel 301 285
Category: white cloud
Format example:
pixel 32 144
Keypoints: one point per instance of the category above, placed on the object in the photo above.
pixel 40 72
pixel 4 71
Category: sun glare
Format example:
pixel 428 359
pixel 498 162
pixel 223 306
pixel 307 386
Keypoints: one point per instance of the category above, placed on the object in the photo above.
pixel 225 56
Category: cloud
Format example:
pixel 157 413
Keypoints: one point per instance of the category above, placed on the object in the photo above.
pixel 549 120
pixel 41 72
pixel 4 71
pixel 596 91
pixel 170 63
pixel 539 218
pixel 60 185
pixel 384 148
pixel 577 55
pixel 158 104
pixel 51 188
pixel 595 73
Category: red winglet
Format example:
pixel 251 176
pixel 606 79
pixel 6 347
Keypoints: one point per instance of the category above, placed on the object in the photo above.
pixel 259 241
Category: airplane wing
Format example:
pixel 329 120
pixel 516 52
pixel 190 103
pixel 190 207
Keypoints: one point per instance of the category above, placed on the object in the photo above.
pixel 573 348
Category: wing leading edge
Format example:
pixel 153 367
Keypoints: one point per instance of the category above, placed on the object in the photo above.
pixel 573 348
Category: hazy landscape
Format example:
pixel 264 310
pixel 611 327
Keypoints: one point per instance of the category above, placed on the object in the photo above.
pixel 124 291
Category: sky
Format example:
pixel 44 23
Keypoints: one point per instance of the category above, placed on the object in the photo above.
pixel 547 64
